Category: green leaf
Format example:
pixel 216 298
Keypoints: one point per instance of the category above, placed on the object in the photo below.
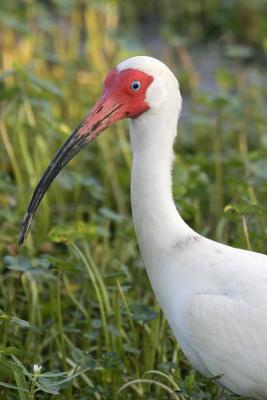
pixel 190 382
pixel 60 264
pixel 9 350
pixel 141 312
pixel 245 209
pixel 44 387
pixel 20 322
pixel 131 349
pixel 19 263
pixel 168 366
pixel 10 386
pixel 51 384
pixel 7 368
pixel 53 374
pixel 22 385
pixel 82 359
pixel 111 360
pixel 71 232
pixel 20 365
pixel 113 330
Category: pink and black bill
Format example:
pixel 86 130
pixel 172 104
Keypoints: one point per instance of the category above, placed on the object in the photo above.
pixel 123 97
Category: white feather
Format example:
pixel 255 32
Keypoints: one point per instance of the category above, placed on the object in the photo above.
pixel 214 296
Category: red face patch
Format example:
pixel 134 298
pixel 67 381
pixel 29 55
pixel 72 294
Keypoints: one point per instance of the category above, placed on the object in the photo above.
pixel 123 96
pixel 128 88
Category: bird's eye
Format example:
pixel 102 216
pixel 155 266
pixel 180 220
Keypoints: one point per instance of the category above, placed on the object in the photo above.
pixel 135 86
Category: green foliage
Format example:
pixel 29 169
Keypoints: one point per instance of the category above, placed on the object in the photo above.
pixel 75 299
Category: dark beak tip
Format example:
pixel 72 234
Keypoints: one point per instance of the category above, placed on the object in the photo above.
pixel 21 239
pixel 25 226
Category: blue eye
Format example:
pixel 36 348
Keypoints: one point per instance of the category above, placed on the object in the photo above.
pixel 135 86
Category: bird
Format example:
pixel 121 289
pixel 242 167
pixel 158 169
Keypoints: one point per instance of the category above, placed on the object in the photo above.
pixel 213 296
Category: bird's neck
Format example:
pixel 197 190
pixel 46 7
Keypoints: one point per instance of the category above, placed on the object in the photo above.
pixel 157 222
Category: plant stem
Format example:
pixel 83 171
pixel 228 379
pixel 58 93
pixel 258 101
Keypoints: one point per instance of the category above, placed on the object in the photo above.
pixel 68 391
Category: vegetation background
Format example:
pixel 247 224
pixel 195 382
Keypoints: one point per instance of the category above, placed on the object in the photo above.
pixel 75 299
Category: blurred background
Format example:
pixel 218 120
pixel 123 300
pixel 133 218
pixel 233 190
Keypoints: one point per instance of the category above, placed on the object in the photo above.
pixel 75 298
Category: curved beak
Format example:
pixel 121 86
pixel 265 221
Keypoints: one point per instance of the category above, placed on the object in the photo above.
pixel 106 111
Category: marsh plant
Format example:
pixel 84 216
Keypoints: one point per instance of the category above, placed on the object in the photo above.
pixel 78 318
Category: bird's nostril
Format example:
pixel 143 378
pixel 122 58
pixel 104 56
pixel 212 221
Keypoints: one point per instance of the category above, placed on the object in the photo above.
pixel 99 109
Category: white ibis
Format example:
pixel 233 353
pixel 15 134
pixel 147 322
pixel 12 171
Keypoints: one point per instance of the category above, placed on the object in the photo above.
pixel 213 296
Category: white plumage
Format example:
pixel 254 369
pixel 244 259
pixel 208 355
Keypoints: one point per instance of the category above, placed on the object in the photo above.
pixel 213 296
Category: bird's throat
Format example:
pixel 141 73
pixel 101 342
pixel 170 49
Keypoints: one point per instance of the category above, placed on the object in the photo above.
pixel 157 222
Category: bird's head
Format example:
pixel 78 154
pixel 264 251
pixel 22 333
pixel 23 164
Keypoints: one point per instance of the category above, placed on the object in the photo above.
pixel 137 87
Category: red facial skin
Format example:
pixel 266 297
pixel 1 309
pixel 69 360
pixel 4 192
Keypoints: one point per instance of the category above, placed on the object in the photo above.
pixel 118 101
pixel 118 85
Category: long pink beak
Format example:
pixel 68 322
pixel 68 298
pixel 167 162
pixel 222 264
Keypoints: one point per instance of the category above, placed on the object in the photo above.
pixel 106 111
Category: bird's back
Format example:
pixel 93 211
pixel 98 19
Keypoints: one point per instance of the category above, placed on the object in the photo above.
pixel 218 313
